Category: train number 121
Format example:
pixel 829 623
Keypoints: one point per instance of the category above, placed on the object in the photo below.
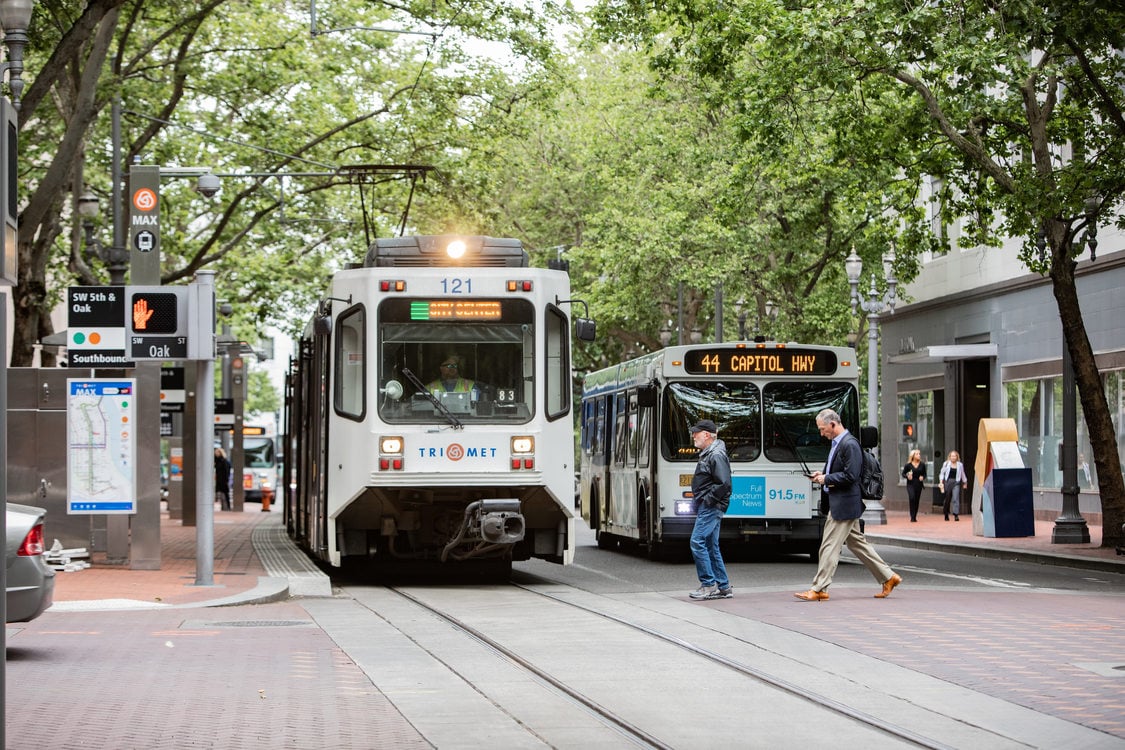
pixel 457 286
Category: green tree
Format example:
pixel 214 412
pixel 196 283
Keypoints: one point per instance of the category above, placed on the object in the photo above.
pixel 1018 106
pixel 293 122
pixel 261 395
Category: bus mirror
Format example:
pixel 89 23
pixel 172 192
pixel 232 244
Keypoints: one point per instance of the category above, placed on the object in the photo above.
pixel 585 329
pixel 869 436
pixel 646 396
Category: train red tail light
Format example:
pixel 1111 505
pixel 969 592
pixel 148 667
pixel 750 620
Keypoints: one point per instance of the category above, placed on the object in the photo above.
pixel 392 285
pixel 519 286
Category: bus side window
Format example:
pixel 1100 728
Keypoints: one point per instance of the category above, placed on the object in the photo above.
pixel 621 435
pixel 644 444
pixel 634 429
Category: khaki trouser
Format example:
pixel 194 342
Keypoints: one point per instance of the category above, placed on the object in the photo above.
pixel 836 535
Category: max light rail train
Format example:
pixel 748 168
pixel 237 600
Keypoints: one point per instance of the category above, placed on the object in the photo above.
pixel 429 408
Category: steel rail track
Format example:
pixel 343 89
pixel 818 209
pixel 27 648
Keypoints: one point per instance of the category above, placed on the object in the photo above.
pixel 639 735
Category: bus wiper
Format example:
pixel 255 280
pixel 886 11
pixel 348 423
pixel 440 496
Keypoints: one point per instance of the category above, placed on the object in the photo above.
pixel 789 442
pixel 433 399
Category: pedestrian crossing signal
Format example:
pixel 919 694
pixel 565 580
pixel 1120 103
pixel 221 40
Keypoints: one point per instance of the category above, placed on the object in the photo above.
pixel 908 430
pixel 155 312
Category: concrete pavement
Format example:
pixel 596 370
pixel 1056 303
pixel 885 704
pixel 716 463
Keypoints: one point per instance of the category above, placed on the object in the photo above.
pixel 147 659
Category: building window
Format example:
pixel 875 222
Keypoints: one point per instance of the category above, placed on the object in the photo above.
pixel 919 420
pixel 1036 406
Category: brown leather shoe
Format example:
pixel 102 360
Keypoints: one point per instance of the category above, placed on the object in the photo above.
pixel 812 595
pixel 888 586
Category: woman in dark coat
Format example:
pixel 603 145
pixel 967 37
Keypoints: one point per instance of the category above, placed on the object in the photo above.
pixel 914 472
pixel 222 479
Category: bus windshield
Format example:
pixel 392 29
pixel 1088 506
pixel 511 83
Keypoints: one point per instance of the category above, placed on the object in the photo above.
pixel 735 406
pixel 778 420
pixel 258 452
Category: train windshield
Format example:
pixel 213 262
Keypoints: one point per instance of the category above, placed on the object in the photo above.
pixel 778 420
pixel 440 363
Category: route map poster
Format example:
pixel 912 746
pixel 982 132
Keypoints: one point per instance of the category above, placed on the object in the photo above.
pixel 101 446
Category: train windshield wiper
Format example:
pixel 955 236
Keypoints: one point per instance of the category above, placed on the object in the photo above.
pixel 433 399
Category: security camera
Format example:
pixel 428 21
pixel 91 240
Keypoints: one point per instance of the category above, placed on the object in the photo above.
pixel 207 185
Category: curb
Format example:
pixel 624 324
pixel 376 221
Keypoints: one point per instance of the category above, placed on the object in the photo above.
pixel 1002 553
pixel 269 589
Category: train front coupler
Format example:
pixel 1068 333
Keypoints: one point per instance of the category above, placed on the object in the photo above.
pixel 493 522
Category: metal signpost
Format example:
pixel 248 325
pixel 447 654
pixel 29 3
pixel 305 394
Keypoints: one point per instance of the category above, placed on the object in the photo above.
pixel 149 324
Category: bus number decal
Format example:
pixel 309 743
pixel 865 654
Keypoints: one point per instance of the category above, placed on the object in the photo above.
pixel 457 286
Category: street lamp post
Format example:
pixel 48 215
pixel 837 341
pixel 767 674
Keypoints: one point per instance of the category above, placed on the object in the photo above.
pixel 116 259
pixel 874 305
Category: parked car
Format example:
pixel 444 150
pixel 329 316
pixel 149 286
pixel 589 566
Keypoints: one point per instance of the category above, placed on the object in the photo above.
pixel 30 582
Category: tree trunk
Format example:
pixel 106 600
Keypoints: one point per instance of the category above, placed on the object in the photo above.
pixel 1091 392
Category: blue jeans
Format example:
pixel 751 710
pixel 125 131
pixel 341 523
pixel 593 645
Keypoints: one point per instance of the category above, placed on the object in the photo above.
pixel 705 548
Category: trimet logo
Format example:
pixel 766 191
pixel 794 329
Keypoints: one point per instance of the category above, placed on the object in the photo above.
pixel 456 451
pixel 144 199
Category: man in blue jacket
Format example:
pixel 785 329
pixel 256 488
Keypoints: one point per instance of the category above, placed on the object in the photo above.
pixel 840 482
pixel 710 488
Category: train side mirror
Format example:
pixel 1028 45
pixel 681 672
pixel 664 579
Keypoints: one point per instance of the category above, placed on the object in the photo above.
pixel 646 396
pixel 585 329
pixel 322 325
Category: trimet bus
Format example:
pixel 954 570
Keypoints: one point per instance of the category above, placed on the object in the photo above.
pixel 430 408
pixel 638 457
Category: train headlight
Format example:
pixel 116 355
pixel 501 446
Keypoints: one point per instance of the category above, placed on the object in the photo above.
pixel 685 507
pixel 390 453
pixel 455 249
pixel 523 453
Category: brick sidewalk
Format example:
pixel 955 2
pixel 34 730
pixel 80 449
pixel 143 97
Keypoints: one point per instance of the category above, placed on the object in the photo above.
pixel 236 566
pixel 932 528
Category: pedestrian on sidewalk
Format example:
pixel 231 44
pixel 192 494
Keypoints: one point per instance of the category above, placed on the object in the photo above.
pixel 839 486
pixel 952 480
pixel 710 488
pixel 222 479
pixel 915 475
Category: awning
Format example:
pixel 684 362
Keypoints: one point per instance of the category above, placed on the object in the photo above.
pixel 947 353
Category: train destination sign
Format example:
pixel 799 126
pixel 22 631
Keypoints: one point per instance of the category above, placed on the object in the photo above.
pixel 730 361
pixel 455 310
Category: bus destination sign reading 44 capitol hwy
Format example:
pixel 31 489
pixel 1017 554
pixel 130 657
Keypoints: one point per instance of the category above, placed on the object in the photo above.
pixel 743 361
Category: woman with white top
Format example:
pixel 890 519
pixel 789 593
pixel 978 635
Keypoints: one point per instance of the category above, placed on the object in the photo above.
pixel 952 480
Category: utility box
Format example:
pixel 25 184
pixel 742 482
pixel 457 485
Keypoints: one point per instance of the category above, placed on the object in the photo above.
pixel 37 461
pixel 1003 503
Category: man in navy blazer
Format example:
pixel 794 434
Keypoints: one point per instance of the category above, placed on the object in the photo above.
pixel 839 482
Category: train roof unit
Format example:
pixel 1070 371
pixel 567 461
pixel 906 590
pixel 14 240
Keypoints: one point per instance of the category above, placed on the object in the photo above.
pixel 428 251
